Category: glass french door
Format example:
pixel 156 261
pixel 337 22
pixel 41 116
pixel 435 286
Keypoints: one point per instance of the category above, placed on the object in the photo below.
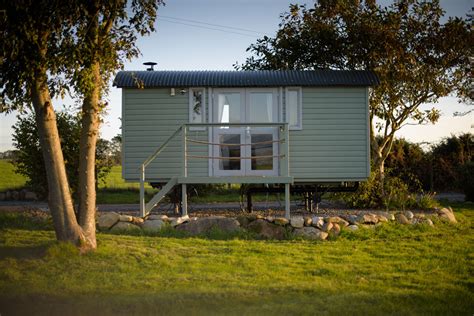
pixel 256 145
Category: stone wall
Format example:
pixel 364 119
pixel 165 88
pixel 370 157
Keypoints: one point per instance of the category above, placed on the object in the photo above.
pixel 269 227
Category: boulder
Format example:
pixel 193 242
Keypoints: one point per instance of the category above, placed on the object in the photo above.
pixel 153 225
pixel 125 227
pixel 137 220
pixel 381 219
pixel 429 222
pixel 307 221
pixel 310 233
pixel 260 216
pixel 388 215
pixel 266 230
pixel 270 219
pixel 447 215
pixel 369 219
pixel 107 220
pixel 352 219
pixel 126 218
pixel 335 230
pixel 402 219
pixel 338 220
pixel 297 221
pixel 31 196
pixel 327 227
pixel 163 218
pixel 175 221
pixel 317 221
pixel 205 224
pixel 353 227
pixel 281 221
pixel 243 220
pixel 408 214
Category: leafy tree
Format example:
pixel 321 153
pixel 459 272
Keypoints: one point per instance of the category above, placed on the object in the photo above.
pixel 417 57
pixel 29 161
pixel 50 46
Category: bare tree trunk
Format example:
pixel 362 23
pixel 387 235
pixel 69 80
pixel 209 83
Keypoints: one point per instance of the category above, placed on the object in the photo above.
pixel 59 198
pixel 87 149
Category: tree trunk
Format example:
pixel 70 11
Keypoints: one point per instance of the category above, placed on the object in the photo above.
pixel 59 198
pixel 87 149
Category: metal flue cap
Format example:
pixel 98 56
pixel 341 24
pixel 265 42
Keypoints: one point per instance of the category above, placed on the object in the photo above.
pixel 151 64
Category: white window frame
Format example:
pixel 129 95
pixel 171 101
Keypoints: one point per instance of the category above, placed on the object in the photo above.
pixel 191 104
pixel 299 109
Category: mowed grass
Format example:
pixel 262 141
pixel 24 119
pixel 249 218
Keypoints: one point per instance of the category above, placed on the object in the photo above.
pixel 391 269
pixel 8 178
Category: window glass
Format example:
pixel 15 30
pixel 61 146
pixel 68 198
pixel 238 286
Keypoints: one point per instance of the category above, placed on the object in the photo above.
pixel 229 108
pixel 293 108
pixel 197 105
pixel 261 107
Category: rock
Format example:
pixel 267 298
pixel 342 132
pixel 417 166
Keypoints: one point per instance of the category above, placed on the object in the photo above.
pixel 266 230
pixel 307 221
pixel 107 220
pixel 420 215
pixel 126 218
pixel 447 215
pixel 281 221
pixel 327 227
pixel 175 221
pixel 205 224
pixel 367 219
pixel 429 222
pixel 137 220
pixel 243 220
pixel 338 220
pixel 153 225
pixel 352 219
pixel 310 233
pixel 335 230
pixel 402 219
pixel 408 214
pixel 297 221
pixel 270 219
pixel 317 221
pixel 381 219
pixel 125 227
pixel 163 218
pixel 388 215
pixel 353 227
pixel 31 196
pixel 260 216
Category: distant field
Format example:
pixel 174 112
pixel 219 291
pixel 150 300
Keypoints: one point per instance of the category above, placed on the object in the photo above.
pixel 8 178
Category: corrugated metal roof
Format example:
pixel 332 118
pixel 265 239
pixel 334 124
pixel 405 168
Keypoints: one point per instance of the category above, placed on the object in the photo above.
pixel 259 78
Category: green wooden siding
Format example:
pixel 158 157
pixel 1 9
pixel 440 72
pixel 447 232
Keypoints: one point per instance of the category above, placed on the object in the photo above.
pixel 333 145
pixel 149 117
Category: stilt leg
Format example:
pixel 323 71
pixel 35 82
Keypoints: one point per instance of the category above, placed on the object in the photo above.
pixel 287 201
pixel 184 200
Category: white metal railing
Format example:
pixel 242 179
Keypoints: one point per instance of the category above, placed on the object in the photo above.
pixel 283 156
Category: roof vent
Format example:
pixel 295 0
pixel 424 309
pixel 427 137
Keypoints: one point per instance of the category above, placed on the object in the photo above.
pixel 151 64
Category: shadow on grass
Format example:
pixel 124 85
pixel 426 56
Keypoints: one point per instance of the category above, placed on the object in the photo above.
pixel 23 252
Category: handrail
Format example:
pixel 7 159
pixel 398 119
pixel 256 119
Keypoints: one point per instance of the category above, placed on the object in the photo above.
pixel 160 149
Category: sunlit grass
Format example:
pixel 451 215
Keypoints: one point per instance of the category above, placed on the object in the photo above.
pixel 8 178
pixel 390 269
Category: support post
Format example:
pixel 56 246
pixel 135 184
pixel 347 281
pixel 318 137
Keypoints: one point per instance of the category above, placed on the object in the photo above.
pixel 287 200
pixel 249 201
pixel 142 191
pixel 184 200
pixel 185 151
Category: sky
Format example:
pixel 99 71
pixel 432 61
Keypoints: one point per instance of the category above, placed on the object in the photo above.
pixel 181 44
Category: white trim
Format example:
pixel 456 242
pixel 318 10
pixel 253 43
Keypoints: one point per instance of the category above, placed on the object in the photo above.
pixel 203 107
pixel 281 118
pixel 299 109
pixel 210 130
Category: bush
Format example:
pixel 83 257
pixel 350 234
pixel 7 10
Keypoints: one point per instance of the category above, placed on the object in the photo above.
pixel 467 180
pixel 29 161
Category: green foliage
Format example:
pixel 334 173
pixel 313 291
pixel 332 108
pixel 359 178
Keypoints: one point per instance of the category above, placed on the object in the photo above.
pixel 397 194
pixel 467 180
pixel 30 163
pixel 389 269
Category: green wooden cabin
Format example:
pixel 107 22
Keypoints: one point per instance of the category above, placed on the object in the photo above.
pixel 277 127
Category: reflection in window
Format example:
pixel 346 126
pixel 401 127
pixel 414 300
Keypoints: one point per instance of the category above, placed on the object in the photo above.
pixel 294 108
pixel 231 151
pixel 261 106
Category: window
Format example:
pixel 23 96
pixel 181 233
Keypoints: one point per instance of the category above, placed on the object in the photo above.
pixel 294 108
pixel 197 106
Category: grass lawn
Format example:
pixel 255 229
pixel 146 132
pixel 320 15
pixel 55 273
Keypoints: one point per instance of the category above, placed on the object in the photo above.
pixel 390 269
pixel 8 178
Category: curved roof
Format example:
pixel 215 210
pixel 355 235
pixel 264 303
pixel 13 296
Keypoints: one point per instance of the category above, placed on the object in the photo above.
pixel 258 78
